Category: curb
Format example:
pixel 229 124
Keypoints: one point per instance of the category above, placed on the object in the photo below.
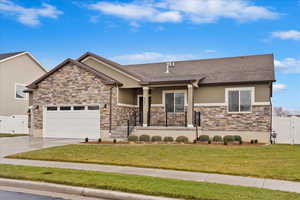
pixel 79 191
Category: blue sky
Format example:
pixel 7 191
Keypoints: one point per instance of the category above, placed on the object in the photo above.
pixel 148 31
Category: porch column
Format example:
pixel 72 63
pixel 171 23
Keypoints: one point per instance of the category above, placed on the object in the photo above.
pixel 190 106
pixel 145 105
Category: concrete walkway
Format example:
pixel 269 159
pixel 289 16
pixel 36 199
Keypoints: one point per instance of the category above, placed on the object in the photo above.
pixel 288 186
pixel 13 145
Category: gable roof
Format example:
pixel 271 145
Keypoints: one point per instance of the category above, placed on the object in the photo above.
pixel 7 56
pixel 105 78
pixel 4 56
pixel 111 63
pixel 242 69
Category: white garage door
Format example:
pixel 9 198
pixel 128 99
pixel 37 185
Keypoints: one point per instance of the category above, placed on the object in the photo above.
pixel 72 121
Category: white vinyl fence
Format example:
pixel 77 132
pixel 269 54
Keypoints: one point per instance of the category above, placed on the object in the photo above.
pixel 287 129
pixel 14 124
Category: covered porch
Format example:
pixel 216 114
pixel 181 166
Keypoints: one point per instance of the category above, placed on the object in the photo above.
pixel 161 105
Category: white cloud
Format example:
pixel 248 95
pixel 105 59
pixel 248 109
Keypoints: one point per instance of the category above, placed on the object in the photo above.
pixel 279 86
pixel 288 65
pixel 145 57
pixel 208 11
pixel 197 11
pixel 28 16
pixel 210 51
pixel 287 35
pixel 133 11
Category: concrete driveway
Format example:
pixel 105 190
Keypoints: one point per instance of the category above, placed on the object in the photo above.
pixel 13 145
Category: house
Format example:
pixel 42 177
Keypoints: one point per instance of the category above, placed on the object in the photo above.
pixel 95 97
pixel 17 70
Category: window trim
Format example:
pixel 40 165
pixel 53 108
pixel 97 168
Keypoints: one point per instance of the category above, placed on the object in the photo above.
pixel 72 107
pixel 251 89
pixel 174 91
pixel 15 92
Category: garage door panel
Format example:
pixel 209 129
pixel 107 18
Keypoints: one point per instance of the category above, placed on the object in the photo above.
pixel 72 124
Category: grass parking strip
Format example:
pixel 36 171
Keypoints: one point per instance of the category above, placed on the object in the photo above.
pixel 11 135
pixel 142 184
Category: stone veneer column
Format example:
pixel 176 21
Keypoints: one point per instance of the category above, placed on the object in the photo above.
pixel 190 106
pixel 145 105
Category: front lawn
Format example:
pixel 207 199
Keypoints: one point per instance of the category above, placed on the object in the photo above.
pixel 143 184
pixel 10 135
pixel 273 161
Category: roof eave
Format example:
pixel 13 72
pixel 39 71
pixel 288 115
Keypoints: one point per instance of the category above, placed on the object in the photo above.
pixel 167 82
pixel 111 63
pixel 34 85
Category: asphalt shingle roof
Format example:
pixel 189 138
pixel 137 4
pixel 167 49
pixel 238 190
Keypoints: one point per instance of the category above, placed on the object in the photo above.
pixel 7 55
pixel 257 68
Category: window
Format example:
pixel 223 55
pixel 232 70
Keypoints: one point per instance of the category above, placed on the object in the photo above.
pixel 65 108
pixel 51 108
pixel 93 107
pixel 78 107
pixel 239 100
pixel 19 94
pixel 174 101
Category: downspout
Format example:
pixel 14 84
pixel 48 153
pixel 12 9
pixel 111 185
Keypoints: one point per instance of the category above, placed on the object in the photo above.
pixel 271 125
pixel 110 108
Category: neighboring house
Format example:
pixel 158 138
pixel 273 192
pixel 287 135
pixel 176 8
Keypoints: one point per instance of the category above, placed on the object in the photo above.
pixel 94 97
pixel 16 71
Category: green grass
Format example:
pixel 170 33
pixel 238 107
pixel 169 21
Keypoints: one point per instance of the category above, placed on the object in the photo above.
pixel 142 184
pixel 273 161
pixel 10 135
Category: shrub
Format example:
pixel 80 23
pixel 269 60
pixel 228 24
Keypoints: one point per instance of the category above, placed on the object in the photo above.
pixel 225 142
pixel 203 138
pixel 182 139
pixel 115 140
pixel 228 138
pixel 209 141
pixel 133 138
pixel 237 138
pixel 86 139
pixel 156 138
pixel 217 138
pixel 144 138
pixel 252 141
pixel 255 141
pixel 241 142
pixel 99 140
pixel 168 139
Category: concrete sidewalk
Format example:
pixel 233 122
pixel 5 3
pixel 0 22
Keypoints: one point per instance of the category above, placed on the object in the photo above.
pixel 272 184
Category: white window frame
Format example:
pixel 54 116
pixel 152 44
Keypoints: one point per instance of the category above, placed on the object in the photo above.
pixel 15 92
pixel 174 91
pixel 251 89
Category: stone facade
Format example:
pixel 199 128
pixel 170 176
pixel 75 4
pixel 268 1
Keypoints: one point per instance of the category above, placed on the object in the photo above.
pixel 72 85
pixel 218 119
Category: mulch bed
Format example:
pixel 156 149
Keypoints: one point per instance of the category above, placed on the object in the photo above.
pixel 198 143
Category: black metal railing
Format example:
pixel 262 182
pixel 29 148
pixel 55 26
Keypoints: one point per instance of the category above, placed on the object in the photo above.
pixel 197 122
pixel 131 123
pixel 165 119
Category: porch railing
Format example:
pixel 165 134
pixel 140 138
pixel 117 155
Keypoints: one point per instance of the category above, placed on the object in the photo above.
pixel 164 119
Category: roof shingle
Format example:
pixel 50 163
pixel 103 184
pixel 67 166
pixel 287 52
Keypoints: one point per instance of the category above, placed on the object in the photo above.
pixel 257 68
